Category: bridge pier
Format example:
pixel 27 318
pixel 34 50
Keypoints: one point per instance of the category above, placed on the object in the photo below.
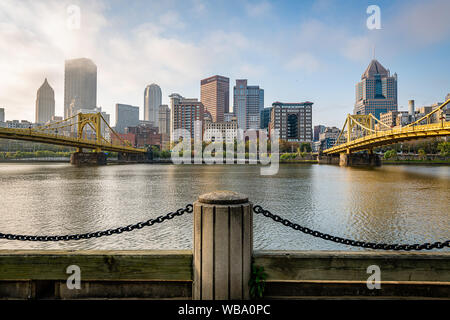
pixel 328 159
pixel 359 159
pixel 88 158
pixel 135 157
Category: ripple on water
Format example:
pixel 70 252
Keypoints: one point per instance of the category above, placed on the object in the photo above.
pixel 388 204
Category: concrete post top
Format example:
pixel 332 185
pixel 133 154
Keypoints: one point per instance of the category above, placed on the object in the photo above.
pixel 223 197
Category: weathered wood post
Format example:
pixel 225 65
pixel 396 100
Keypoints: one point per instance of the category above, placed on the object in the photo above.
pixel 223 246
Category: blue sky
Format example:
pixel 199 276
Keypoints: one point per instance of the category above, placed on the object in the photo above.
pixel 295 50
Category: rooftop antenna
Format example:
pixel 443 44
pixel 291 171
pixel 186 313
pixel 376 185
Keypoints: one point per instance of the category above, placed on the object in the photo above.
pixel 373 52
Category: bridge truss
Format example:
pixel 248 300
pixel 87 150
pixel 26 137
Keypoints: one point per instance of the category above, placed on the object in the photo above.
pixel 366 132
pixel 83 130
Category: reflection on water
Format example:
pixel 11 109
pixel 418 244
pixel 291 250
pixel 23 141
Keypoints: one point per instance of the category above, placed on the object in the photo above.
pixel 388 204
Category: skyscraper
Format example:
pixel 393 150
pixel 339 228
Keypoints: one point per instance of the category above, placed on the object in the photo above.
pixel 293 120
pixel 164 124
pixel 376 93
pixel 2 114
pixel 126 116
pixel 80 85
pixel 164 119
pixel 317 131
pixel 265 118
pixel 152 101
pixel 183 115
pixel 248 104
pixel 45 103
pixel 215 96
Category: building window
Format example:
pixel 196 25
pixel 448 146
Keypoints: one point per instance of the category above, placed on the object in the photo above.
pixel 292 126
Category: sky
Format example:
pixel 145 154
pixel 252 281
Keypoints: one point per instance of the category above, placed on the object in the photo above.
pixel 295 50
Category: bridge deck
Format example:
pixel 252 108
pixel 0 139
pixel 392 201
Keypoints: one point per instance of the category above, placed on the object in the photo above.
pixel 31 135
pixel 395 135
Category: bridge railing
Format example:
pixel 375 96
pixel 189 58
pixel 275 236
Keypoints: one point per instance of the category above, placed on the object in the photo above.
pixel 443 125
pixel 64 133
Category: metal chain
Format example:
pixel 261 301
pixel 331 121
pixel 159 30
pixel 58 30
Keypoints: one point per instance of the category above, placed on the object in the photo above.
pixel 98 234
pixel 371 245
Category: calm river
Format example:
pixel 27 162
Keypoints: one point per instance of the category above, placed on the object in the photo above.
pixel 388 204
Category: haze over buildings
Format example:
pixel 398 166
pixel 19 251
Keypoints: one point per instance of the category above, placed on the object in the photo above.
pixel 80 85
pixel 45 103
pixel 179 53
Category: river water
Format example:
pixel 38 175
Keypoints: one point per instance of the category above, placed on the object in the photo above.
pixel 408 204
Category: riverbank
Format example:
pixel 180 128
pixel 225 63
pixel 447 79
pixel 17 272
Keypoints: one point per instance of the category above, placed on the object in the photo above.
pixel 299 161
pixel 36 160
pixel 169 161
pixel 159 161
pixel 416 162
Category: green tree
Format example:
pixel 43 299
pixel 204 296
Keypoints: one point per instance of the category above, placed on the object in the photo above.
pixel 444 148
pixel 165 154
pixel 390 154
pixel 422 154
pixel 305 147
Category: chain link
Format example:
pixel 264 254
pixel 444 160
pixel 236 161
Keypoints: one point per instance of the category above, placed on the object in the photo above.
pixel 98 234
pixel 257 209
pixel 370 245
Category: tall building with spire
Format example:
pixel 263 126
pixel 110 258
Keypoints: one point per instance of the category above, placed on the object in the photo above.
pixel 80 86
pixel 152 101
pixel 376 93
pixel 45 103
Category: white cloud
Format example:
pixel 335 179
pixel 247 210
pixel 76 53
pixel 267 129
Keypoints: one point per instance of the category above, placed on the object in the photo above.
pixel 39 42
pixel 421 23
pixel 303 61
pixel 258 9
pixel 171 19
pixel 35 42
pixel 357 48
pixel 198 7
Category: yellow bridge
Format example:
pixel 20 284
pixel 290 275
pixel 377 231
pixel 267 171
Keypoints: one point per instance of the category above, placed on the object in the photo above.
pixel 365 132
pixel 84 130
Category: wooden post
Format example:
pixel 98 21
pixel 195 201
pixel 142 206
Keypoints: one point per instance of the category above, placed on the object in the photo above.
pixel 223 246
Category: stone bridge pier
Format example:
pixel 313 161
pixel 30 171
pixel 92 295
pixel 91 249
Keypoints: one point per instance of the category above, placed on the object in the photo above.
pixel 88 158
pixel 135 157
pixel 350 159
pixel 359 159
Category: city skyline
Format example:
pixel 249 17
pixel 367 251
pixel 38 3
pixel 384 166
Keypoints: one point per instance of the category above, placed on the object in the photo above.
pixel 177 60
